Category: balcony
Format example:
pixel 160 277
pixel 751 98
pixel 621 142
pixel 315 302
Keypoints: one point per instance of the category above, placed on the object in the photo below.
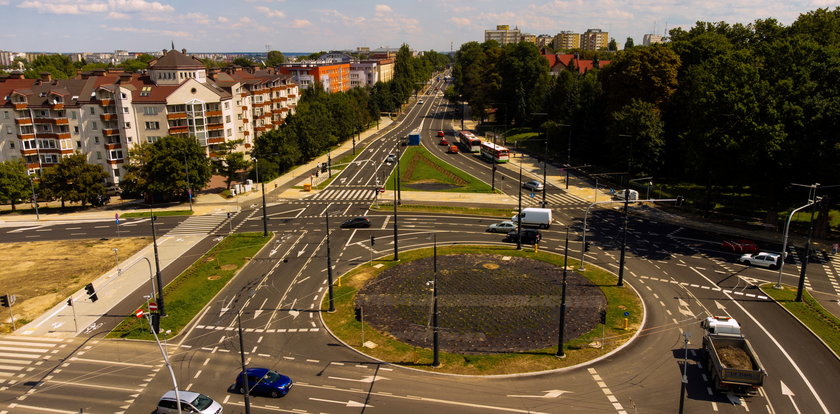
pixel 179 130
pixel 215 127
pixel 110 131
pixel 177 115
pixel 213 113
pixel 61 121
pixel 246 133
pixel 291 95
pixel 108 117
pixel 114 162
pixel 220 140
pixel 63 135
pixel 244 108
pixel 57 106
pixel 27 136
pixel 114 146
pixel 23 121
pixel 19 106
pixel 105 101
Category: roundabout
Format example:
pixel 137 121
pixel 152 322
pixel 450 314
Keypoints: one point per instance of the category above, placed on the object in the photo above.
pixel 498 311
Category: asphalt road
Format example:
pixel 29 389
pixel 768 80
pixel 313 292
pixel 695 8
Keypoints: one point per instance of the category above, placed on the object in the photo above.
pixel 682 276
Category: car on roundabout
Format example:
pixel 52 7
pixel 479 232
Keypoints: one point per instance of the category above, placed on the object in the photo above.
pixel 443 141
pixel 529 236
pixel 356 222
pixel 391 158
pixel 263 381
pixel 501 227
pixel 453 149
pixel 533 185
pixel 740 246
pixel 441 134
pixel 191 402
pixel 761 259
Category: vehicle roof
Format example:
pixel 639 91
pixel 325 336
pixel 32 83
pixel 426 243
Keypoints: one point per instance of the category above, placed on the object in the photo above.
pixel 186 396
pixel 768 254
pixel 257 372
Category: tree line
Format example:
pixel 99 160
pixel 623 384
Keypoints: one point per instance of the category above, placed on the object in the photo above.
pixel 745 108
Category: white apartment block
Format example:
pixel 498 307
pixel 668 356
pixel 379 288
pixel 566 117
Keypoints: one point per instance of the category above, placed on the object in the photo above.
pixel 369 72
pixel 104 114
pixel 650 39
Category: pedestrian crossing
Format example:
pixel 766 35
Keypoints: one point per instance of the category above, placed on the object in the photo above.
pixel 20 355
pixel 352 194
pixel 832 270
pixel 552 199
pixel 199 224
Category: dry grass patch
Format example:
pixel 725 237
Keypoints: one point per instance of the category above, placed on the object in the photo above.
pixel 43 273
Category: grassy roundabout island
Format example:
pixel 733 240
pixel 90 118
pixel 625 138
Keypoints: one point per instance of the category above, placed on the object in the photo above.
pixel 498 310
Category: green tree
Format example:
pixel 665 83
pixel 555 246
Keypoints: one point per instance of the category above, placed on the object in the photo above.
pixel 229 162
pixel 134 65
pixel 645 73
pixel 159 170
pixel 524 80
pixel 628 44
pixel 14 182
pixel 612 46
pixel 59 66
pixel 74 179
pixel 637 138
pixel 244 62
pixel 275 58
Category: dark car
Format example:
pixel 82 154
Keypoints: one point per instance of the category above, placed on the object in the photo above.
pixel 740 246
pixel 264 381
pixel 355 222
pixel 529 236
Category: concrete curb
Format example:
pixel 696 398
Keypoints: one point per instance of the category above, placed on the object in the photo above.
pixel 801 323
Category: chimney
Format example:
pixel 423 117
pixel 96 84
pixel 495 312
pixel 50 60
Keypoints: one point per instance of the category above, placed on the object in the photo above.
pixel 164 51
pixel 46 77
pixel 125 77
pixel 184 51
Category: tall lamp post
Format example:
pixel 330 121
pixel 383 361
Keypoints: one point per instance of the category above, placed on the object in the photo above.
pixel 785 239
pixel 519 215
pixel 34 198
pixel 396 241
pixel 545 156
pixel 568 153
pixel 624 231
pixel 560 335
pixel 158 278
pixel 262 184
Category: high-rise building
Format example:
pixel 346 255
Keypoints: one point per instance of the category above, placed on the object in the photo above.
pixel 503 34
pixel 566 40
pixel 595 39
pixel 651 38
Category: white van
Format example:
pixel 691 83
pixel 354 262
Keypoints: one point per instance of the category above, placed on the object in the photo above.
pixel 534 217
pixel 633 195
pixel 191 402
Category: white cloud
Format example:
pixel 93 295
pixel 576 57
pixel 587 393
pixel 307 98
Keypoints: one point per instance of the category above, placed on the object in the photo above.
pixel 222 19
pixel 139 6
pixel 270 12
pixel 117 15
pixel 4 2
pixel 383 8
pixel 460 21
pixel 300 23
pixel 64 7
pixel 170 33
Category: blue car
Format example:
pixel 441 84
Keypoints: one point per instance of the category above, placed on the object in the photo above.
pixel 264 381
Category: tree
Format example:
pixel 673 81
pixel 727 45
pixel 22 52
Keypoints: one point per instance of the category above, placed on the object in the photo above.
pixel 14 182
pixel 74 179
pixel 134 65
pixel 628 44
pixel 645 73
pixel 229 162
pixel 59 66
pixel 244 62
pixel 524 80
pixel 275 58
pixel 159 172
pixel 637 138
pixel 612 46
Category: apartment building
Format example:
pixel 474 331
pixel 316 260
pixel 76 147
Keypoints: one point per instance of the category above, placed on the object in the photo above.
pixel 370 71
pixel 566 40
pixel 104 114
pixel 503 34
pixel 595 39
pixel 333 77
pixel 650 39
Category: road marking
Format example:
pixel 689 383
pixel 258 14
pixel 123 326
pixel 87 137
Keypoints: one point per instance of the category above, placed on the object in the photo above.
pixel 98 361
pixel 595 376
pixel 106 387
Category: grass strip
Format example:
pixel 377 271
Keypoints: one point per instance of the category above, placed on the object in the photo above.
pixel 819 320
pixel 419 165
pixel 343 324
pixel 505 213
pixel 190 292
pixel 159 213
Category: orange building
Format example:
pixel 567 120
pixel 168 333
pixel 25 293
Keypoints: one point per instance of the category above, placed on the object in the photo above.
pixel 333 77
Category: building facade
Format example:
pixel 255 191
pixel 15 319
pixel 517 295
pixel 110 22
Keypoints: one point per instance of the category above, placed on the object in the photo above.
pixel 650 39
pixel 333 77
pixel 595 39
pixel 566 40
pixel 503 34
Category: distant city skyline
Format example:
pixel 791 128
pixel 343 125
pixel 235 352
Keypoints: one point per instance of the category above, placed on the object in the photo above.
pixel 298 26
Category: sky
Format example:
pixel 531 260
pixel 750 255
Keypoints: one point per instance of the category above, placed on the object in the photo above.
pixel 316 25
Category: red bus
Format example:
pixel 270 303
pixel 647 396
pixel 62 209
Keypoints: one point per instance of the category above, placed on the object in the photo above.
pixel 494 153
pixel 469 141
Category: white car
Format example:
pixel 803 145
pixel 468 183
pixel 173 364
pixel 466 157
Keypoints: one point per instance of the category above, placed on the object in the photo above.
pixel 391 158
pixel 763 259
pixel 502 227
pixel 191 402
pixel 533 185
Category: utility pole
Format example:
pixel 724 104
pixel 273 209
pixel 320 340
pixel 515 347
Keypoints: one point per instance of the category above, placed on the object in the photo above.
pixel 399 192
pixel 329 265
pixel 34 198
pixel 623 237
pixel 245 385
pixel 812 198
pixel 684 381
pixel 519 217
pixel 158 278
pixel 396 241
pixel 560 336
pixel 545 167
pixel 435 334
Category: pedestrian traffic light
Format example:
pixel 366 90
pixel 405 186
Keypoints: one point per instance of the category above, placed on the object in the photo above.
pixel 372 241
pixel 91 292
pixel 586 246
pixel 156 322
pixel 4 301
pixel 69 301
pixel 603 316
pixel 358 312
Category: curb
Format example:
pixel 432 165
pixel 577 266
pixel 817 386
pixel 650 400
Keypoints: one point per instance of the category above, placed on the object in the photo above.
pixel 801 323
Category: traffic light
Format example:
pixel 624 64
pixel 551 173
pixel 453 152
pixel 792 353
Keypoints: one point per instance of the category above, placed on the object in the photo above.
pixel 372 241
pixel 156 322
pixel 91 292
pixel 679 201
pixel 586 246
pixel 603 316
pixel 358 312
pixel 69 301
pixel 4 301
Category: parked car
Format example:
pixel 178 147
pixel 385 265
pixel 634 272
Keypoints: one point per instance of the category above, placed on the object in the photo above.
pixel 443 141
pixel 529 236
pixel 391 158
pixel 763 259
pixel 739 246
pixel 441 134
pixel 533 185
pixel 420 102
pixel 501 227
pixel 191 402
pixel 264 381
pixel 356 222
pixel 453 149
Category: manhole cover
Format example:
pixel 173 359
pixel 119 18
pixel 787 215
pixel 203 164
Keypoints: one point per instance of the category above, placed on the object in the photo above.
pixel 490 266
pixel 214 277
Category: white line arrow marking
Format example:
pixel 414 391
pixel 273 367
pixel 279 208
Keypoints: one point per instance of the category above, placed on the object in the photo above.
pixel 548 394
pixel 260 310
pixel 367 379
pixel 684 309
pixel 721 307
pixel 790 394
pixel 292 311
pixel 301 252
pixel 226 307
pixel 348 403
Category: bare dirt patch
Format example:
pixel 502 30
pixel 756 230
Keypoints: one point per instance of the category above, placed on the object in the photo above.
pixel 41 274
pixel 486 304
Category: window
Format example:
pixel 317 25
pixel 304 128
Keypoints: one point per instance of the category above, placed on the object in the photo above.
pixel 93 125
pixel 149 110
pixel 152 125
pixel 125 109
pixel 229 132
pixel 98 155
pixel 227 105
pixel 78 144
pixel 115 155
pixel 146 91
pixel 239 116
pixel 95 140
pixel 5 114
pixel 152 139
pixel 122 95
pixel 73 115
pixel 92 111
pixel 227 118
pixel 11 145
pixel 76 129
pixel 128 125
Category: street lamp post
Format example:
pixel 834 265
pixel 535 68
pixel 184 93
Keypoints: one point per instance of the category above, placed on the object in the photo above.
pixel 545 156
pixel 435 334
pixel 158 278
pixel 34 198
pixel 262 184
pixel 396 241
pixel 785 239
pixel 189 187
pixel 519 216
pixel 624 231
pixel 560 335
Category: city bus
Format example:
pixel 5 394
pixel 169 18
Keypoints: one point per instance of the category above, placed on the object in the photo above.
pixel 494 153
pixel 469 141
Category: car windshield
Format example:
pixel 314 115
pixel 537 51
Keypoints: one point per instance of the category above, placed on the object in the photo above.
pixel 271 377
pixel 201 402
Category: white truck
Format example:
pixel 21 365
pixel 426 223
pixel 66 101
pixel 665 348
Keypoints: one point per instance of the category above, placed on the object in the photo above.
pixel 730 358
pixel 534 217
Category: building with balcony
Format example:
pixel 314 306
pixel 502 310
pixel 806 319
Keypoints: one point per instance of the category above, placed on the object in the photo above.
pixel 503 34
pixel 370 71
pixel 333 77
pixel 566 40
pixel 595 39
pixel 650 39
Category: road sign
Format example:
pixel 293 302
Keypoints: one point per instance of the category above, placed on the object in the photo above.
pixel 381 189
pixel 117 217
pixel 138 313
pixel 152 306
pixel 531 195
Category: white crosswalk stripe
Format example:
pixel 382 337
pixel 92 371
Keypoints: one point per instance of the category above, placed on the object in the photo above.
pixel 199 224
pixel 552 199
pixel 343 194
pixel 19 355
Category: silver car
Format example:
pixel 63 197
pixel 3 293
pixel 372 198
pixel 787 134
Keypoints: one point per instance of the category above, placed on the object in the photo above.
pixel 763 259
pixel 391 158
pixel 191 402
pixel 502 227
pixel 533 185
